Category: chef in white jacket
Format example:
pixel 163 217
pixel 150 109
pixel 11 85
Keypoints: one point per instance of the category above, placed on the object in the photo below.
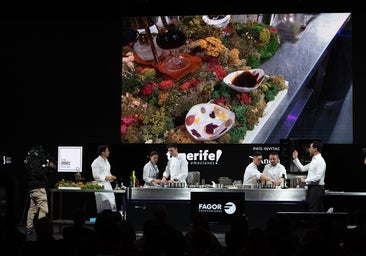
pixel 101 170
pixel 177 167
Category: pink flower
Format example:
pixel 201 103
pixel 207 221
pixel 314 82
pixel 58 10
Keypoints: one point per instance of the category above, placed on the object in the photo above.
pixel 123 129
pixel 127 120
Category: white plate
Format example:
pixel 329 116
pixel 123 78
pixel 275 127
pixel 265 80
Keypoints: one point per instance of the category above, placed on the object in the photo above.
pixel 217 23
pixel 208 121
pixel 228 80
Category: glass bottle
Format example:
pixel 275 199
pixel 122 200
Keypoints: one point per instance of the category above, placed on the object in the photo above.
pixel 283 182
pixel 133 179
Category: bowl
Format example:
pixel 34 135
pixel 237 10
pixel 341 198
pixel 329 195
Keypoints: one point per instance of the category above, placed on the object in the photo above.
pixel 217 21
pixel 245 80
pixel 208 121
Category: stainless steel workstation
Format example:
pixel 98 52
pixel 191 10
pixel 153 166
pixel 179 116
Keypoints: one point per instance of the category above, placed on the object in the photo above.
pixel 184 194
pixel 258 203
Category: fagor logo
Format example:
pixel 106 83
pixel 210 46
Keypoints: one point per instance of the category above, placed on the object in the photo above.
pixel 209 207
pixel 204 157
pixel 230 208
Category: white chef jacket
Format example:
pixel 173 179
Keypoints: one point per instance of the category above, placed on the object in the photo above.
pixel 104 200
pixel 274 171
pixel 150 172
pixel 251 175
pixel 177 168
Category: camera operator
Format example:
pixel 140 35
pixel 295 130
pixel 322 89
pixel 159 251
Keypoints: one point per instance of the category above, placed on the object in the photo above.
pixel 38 165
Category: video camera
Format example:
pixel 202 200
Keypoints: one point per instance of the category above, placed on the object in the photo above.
pixel 42 155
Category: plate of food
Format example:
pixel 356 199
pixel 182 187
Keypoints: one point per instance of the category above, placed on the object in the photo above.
pixel 208 121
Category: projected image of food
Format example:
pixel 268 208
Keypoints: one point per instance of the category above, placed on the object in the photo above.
pixel 195 105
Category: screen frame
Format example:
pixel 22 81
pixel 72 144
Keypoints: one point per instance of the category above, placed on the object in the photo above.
pixel 71 154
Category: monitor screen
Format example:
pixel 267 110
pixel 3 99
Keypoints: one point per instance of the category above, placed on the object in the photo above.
pixel 70 159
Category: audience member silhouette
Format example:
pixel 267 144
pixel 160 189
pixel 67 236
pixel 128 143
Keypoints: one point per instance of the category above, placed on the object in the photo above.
pixel 45 243
pixel 200 240
pixel 147 228
pixel 164 238
pixel 355 238
pixel 79 239
pixel 107 231
pixel 114 235
pixel 256 243
pixel 237 235
pixel 315 242
pixel 281 234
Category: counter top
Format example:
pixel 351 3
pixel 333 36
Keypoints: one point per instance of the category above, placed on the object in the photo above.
pixel 298 62
pixel 72 189
pixel 287 195
pixel 343 193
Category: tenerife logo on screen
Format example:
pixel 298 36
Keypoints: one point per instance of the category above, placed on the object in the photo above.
pixel 6 160
pixel 204 157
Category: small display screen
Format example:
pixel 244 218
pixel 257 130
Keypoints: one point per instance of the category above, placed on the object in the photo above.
pixel 70 159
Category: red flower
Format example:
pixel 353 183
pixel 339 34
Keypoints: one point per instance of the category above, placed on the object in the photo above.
pixel 185 86
pixel 221 100
pixel 194 82
pixel 139 69
pixel 273 30
pixel 219 71
pixel 148 89
pixel 244 98
pixel 210 60
pixel 228 30
pixel 166 84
